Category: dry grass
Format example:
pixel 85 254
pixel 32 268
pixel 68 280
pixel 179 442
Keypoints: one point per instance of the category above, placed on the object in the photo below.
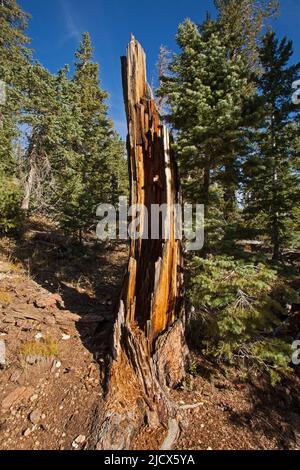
pixel 5 298
pixel 44 348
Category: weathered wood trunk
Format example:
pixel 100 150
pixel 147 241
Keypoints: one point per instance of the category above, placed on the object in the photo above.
pixel 149 349
pixel 35 159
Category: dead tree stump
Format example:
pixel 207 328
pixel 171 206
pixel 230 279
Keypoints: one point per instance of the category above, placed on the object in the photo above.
pixel 149 349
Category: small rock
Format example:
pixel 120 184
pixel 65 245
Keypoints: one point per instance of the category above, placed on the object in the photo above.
pixel 49 301
pixel 66 337
pixel 39 336
pixel 15 397
pixel 2 354
pixel 80 439
pixel 35 416
pixel 16 375
pixel 56 364
pixel 27 433
pixel 34 398
pixel 31 360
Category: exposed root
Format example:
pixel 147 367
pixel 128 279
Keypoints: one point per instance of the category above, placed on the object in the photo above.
pixel 173 435
pixel 190 407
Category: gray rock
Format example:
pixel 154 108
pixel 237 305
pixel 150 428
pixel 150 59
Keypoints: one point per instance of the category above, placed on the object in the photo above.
pixel 78 441
pixel 27 432
pixel 35 416
pixel 2 353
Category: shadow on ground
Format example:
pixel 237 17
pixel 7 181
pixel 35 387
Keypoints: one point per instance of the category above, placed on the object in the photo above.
pixel 87 276
pixel 274 412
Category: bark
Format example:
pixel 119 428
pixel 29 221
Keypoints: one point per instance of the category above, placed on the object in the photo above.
pixel 206 201
pixel 149 349
pixel 38 168
pixel 230 186
pixel 28 189
pixel 32 171
pixel 275 236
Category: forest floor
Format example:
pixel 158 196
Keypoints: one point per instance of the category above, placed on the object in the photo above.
pixel 56 318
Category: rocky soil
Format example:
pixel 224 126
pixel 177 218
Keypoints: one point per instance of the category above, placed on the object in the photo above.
pixel 56 315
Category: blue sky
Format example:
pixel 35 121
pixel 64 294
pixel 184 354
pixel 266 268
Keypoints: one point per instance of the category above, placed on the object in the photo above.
pixel 57 25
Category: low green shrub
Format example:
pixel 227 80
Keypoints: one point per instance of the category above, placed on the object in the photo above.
pixel 238 307
pixel 10 202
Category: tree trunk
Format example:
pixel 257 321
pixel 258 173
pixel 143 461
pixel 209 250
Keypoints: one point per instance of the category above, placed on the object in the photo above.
pixel 149 349
pixel 230 187
pixel 28 189
pixel 206 201
pixel 31 177
pixel 275 235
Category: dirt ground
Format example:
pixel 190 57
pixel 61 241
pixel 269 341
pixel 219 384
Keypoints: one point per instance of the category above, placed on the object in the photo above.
pixel 56 318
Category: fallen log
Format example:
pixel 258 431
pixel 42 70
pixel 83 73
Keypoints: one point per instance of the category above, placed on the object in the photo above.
pixel 149 349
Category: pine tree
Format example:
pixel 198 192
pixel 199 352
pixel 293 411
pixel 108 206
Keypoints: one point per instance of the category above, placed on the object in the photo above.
pixel 73 159
pixel 14 61
pixel 91 171
pixel 40 113
pixel 242 23
pixel 273 180
pixel 206 94
pixel 52 115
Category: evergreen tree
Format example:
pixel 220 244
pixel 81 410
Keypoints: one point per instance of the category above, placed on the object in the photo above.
pixel 40 114
pixel 53 115
pixel 73 159
pixel 91 171
pixel 273 179
pixel 14 61
pixel 206 94
pixel 242 23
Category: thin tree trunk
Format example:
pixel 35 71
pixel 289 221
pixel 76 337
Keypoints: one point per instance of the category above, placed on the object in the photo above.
pixel 206 199
pixel 31 177
pixel 28 189
pixel 275 217
pixel 229 189
pixel 149 349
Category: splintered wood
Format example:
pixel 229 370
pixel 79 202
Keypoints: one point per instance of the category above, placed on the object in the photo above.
pixel 149 349
pixel 154 288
